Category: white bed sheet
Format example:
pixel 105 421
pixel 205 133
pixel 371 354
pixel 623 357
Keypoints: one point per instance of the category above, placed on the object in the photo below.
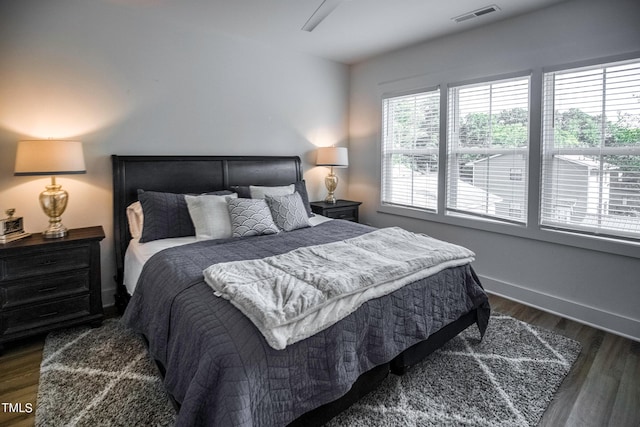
pixel 138 254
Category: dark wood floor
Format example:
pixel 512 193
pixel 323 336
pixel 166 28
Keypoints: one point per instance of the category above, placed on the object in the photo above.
pixel 602 389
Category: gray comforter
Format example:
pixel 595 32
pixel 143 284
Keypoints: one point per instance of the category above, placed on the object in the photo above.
pixel 221 369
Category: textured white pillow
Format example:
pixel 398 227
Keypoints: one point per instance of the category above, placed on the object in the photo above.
pixel 259 192
pixel 136 219
pixel 210 216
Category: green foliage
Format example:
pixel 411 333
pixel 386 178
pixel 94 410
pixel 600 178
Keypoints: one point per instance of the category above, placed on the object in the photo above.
pixel 575 128
pixel 508 128
pixel 415 124
pixel 415 127
pixel 619 135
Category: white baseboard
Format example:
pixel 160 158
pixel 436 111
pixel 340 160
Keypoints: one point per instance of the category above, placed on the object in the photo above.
pixel 595 317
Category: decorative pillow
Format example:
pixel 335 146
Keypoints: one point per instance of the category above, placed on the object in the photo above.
pixel 301 187
pixel 288 211
pixel 250 217
pixel 135 219
pixel 242 191
pixel 210 215
pixel 165 215
pixel 259 192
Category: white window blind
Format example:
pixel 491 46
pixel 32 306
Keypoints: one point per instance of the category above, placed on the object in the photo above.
pixel 488 150
pixel 410 140
pixel 591 150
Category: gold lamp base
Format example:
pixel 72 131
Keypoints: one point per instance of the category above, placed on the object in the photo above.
pixel 53 201
pixel 331 182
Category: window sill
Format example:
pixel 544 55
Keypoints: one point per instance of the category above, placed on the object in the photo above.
pixel 560 237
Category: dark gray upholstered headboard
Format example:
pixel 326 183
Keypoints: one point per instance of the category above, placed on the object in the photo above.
pixel 188 174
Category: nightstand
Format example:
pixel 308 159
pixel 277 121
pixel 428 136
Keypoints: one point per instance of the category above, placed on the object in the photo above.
pixel 341 209
pixel 47 284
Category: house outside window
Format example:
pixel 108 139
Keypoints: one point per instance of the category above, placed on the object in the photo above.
pixel 488 150
pixel 515 174
pixel 591 150
pixel 410 144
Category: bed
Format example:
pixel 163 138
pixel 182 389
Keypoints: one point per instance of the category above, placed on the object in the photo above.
pixel 217 366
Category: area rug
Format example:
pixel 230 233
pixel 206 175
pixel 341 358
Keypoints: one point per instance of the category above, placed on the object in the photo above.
pixel 103 376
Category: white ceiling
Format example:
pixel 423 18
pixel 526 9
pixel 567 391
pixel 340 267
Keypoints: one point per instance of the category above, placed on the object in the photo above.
pixel 355 30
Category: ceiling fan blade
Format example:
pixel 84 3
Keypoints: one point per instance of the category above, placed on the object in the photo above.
pixel 325 8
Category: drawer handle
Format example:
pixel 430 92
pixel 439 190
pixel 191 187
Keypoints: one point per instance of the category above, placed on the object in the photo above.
pixel 53 288
pixel 342 216
pixel 49 314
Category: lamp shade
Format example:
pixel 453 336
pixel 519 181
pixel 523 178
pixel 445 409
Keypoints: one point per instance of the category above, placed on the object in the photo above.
pixel 332 156
pixel 49 157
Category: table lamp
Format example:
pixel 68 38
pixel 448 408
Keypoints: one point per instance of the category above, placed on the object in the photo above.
pixel 335 157
pixel 51 157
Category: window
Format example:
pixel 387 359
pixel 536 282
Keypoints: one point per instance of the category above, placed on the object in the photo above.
pixel 488 149
pixel 591 150
pixel 410 141
pixel 586 172
pixel 515 174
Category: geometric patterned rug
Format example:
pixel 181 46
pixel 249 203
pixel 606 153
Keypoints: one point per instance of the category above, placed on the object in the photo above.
pixel 100 377
pixel 104 376
pixel 508 379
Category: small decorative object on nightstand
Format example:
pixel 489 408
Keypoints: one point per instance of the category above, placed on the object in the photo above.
pixel 47 284
pixel 11 228
pixel 341 209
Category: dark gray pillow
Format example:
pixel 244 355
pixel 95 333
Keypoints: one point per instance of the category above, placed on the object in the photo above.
pixel 166 215
pixel 216 193
pixel 242 190
pixel 301 188
pixel 250 217
pixel 288 211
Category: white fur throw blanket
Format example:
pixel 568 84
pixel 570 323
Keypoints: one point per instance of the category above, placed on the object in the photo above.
pixel 294 295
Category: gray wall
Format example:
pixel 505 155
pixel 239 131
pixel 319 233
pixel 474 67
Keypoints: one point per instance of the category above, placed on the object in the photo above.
pixel 126 78
pixel 595 281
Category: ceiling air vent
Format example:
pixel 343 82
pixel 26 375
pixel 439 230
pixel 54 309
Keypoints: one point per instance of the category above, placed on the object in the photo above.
pixel 470 15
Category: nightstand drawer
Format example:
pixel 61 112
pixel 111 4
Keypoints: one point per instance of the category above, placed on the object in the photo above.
pixel 39 263
pixel 12 321
pixel 341 209
pixel 44 288
pixel 346 213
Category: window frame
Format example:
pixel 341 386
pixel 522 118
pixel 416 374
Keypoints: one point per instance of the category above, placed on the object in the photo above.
pixel 549 151
pixel 453 119
pixel 384 171
pixel 532 230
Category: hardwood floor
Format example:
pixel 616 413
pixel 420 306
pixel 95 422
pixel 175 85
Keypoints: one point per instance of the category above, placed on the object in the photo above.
pixel 602 389
pixel 19 374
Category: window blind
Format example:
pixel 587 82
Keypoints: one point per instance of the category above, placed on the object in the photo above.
pixel 410 141
pixel 591 150
pixel 487 152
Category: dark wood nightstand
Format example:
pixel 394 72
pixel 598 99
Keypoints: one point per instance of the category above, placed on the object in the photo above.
pixel 47 284
pixel 341 209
